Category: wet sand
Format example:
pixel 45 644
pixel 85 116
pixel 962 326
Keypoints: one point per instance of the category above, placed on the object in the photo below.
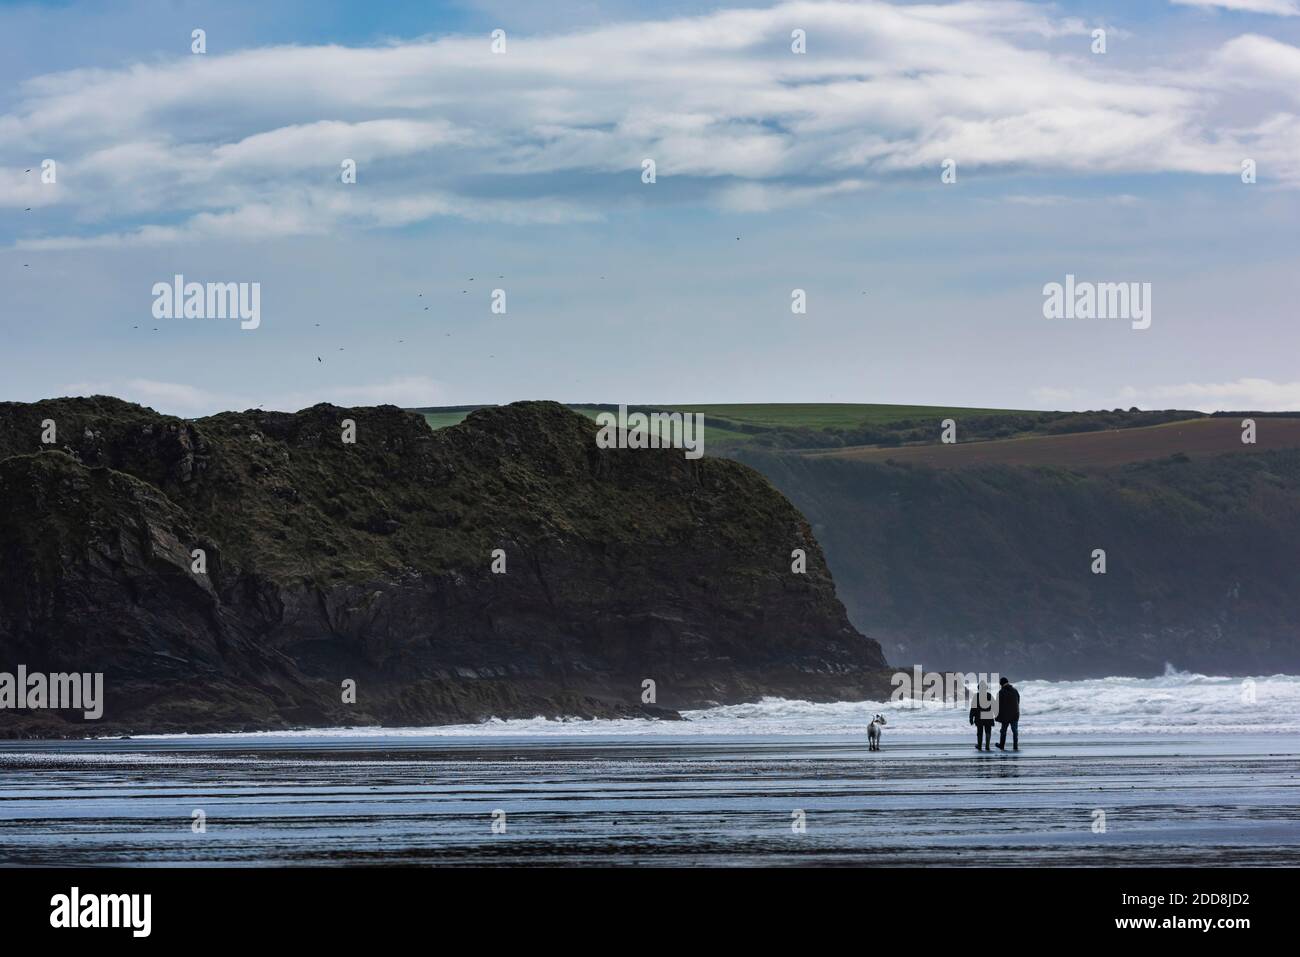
pixel 1166 799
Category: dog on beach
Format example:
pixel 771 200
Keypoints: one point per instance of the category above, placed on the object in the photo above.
pixel 873 732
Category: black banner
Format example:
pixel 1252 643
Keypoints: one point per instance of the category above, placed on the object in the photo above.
pixel 330 907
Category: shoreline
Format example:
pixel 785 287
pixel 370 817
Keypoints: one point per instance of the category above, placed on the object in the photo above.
pixel 1176 703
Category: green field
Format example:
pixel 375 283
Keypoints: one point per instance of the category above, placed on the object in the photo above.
pixel 823 415
pixel 440 420
pixel 824 427
pixel 713 434
pixel 775 416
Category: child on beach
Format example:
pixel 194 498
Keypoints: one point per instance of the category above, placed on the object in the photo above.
pixel 982 711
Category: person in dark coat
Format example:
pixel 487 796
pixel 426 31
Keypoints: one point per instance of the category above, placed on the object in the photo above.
pixel 981 716
pixel 1008 714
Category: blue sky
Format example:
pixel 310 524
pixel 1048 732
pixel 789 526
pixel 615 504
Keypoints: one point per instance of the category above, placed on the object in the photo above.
pixel 775 171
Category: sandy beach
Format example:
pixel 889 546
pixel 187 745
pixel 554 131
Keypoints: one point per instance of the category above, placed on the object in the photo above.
pixel 652 799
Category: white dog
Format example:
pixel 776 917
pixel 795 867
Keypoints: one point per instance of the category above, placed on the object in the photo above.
pixel 874 731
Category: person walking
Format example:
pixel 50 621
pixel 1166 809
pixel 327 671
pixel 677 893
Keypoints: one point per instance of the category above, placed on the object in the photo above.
pixel 981 716
pixel 1008 714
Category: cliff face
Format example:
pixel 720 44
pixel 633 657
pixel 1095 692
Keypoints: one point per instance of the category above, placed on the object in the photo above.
pixel 990 569
pixel 372 561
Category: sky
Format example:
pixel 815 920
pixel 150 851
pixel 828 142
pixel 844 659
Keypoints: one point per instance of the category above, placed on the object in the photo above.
pixel 513 174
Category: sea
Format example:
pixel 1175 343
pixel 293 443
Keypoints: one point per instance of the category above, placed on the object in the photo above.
pixel 1182 769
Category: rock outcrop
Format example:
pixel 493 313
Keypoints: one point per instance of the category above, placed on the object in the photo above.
pixel 373 562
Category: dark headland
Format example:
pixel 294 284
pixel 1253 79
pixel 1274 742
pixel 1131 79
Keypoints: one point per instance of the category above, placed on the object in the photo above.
pixel 372 562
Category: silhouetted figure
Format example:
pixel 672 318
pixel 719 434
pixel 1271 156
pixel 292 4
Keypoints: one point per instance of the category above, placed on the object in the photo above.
pixel 981 715
pixel 1008 714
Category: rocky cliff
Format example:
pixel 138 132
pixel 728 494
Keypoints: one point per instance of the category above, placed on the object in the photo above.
pixel 324 561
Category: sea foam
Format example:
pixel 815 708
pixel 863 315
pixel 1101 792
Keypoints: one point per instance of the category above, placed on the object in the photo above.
pixel 1174 703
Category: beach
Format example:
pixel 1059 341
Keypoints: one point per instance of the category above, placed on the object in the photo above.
pixel 651 799
pixel 1181 769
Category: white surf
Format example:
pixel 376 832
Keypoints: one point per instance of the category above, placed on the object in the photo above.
pixel 1175 703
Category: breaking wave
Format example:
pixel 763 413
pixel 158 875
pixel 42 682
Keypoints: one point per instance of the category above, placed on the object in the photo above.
pixel 1174 703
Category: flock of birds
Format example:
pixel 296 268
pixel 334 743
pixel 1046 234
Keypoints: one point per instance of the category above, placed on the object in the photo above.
pixel 420 295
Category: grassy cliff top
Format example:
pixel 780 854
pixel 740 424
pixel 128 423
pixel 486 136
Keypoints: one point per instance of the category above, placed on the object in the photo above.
pixel 284 493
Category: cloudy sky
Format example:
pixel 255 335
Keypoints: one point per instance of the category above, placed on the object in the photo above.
pixel 775 171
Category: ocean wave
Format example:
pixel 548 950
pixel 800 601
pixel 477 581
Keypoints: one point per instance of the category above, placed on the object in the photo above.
pixel 1173 703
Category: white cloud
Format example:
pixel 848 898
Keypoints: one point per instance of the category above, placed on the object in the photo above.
pixel 1260 395
pixel 1281 8
pixel 1254 62
pixel 316 213
pixel 402 391
pixel 176 398
pixel 1058 199
pixel 247 144
pixel 1048 395
pixel 751 197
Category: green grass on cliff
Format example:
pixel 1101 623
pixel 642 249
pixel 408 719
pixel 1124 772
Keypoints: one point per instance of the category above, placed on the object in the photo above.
pixel 714 433
pixel 824 415
pixel 281 493
pixel 775 415
pixel 822 426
